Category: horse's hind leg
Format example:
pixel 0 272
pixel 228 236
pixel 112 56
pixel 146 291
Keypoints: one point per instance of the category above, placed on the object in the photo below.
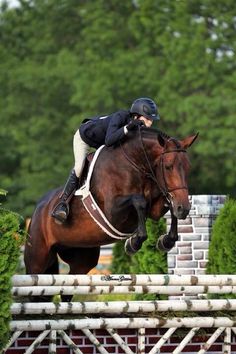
pixel 40 260
pixel 38 257
pixel 80 261
pixel 35 257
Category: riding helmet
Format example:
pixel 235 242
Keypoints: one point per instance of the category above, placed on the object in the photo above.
pixel 146 107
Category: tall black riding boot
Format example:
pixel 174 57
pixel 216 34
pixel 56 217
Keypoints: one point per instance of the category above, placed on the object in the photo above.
pixel 61 210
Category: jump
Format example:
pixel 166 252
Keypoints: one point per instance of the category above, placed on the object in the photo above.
pixel 145 176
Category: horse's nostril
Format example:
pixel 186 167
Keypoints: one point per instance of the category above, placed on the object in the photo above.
pixel 182 212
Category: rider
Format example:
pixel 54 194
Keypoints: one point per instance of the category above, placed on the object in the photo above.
pixel 98 131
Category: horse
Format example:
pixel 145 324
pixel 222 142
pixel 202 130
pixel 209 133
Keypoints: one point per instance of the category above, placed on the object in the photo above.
pixel 142 177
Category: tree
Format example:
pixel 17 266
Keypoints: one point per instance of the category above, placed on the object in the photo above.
pixel 222 246
pixel 12 233
pixel 102 56
pixel 221 259
pixel 147 260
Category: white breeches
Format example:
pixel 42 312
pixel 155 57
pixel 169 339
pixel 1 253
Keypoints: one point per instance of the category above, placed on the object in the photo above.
pixel 80 151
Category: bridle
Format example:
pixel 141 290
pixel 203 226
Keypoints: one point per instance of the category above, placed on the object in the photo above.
pixel 163 187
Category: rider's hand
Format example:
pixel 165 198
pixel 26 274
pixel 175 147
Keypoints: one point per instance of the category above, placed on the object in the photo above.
pixel 134 124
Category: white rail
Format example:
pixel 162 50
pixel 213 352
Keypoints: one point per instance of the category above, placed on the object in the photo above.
pixel 138 322
pixel 123 279
pixel 122 307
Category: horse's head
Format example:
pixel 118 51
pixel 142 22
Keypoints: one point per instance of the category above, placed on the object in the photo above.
pixel 164 161
pixel 171 168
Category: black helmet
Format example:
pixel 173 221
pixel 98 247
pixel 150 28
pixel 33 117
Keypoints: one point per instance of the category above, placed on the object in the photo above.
pixel 145 107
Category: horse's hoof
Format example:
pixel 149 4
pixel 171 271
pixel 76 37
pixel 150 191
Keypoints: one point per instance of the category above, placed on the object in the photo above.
pixel 129 250
pixel 160 245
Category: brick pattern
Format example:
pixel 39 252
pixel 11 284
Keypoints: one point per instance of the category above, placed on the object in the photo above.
pixel 190 254
pixel 130 336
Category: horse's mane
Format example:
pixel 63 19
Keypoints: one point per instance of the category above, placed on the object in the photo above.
pixel 154 132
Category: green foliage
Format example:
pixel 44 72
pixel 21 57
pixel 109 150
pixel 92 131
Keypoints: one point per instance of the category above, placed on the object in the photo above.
pixel 222 247
pixel 103 55
pixel 148 260
pixel 3 194
pixel 12 237
pixel 120 260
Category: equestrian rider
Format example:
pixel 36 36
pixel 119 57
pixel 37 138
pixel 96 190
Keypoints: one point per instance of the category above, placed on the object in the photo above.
pixel 98 131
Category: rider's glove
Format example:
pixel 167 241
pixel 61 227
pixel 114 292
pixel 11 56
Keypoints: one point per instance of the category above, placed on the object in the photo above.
pixel 134 124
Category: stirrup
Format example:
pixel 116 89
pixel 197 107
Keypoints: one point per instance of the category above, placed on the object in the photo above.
pixel 60 216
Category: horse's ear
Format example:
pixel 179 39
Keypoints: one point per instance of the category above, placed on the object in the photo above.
pixel 187 142
pixel 161 140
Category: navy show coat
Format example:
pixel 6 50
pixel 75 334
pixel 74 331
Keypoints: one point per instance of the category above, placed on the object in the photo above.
pixel 106 130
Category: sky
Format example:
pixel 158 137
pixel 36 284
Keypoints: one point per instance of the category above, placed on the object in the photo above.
pixel 12 3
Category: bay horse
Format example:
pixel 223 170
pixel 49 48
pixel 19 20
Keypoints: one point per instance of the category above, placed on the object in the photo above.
pixel 143 176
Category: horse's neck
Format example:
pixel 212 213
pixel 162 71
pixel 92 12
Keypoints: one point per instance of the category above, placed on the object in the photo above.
pixel 142 148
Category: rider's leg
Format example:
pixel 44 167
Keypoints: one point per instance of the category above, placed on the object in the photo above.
pixel 80 149
pixel 61 211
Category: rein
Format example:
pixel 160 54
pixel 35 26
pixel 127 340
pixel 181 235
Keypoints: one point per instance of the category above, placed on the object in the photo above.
pixel 150 174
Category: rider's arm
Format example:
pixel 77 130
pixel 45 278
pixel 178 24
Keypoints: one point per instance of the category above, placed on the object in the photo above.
pixel 117 127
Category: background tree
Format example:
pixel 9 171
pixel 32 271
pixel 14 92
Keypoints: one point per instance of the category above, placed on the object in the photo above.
pixel 148 260
pixel 12 234
pixel 222 247
pixel 62 61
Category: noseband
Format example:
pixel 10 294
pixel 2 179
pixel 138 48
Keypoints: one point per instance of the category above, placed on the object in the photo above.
pixel 165 191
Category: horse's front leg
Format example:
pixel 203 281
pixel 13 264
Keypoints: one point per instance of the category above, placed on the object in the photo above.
pixel 167 241
pixel 134 243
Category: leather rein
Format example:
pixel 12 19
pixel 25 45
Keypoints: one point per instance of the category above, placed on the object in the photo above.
pixel 166 192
